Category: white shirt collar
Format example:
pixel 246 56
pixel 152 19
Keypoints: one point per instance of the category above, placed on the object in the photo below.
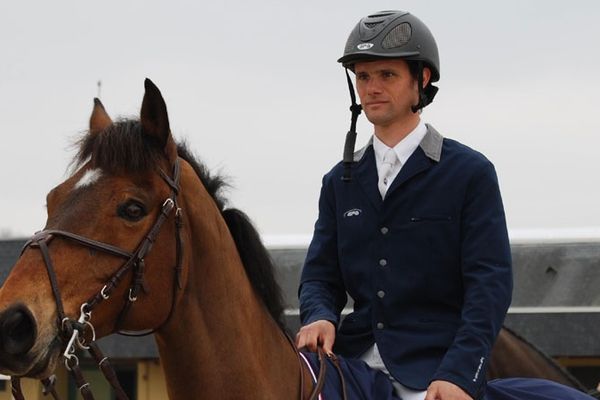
pixel 405 147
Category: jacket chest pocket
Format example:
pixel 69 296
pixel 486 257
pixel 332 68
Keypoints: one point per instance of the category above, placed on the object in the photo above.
pixel 437 235
pixel 419 219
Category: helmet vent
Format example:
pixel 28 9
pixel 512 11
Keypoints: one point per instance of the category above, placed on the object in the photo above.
pixel 382 14
pixel 372 25
pixel 397 37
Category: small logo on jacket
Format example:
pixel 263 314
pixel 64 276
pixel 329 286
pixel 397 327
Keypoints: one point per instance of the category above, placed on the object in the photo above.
pixel 355 212
pixel 481 360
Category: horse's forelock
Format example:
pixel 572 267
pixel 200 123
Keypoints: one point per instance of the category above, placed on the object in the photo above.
pixel 123 147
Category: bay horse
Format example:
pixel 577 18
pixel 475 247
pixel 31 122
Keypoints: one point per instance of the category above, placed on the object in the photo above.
pixel 215 321
pixel 139 238
pixel 514 356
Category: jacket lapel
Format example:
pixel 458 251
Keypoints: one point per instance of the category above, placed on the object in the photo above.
pixel 416 163
pixel 427 154
pixel 366 176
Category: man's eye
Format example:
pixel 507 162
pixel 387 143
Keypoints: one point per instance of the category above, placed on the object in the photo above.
pixel 362 77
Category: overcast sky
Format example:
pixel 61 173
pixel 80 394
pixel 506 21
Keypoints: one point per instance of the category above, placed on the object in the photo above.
pixel 254 88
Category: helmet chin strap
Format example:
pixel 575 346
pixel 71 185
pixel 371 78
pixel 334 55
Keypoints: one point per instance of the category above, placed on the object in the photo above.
pixel 356 109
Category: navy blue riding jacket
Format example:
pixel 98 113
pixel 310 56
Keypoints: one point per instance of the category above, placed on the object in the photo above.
pixel 428 268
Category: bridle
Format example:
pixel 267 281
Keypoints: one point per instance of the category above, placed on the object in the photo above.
pixel 73 332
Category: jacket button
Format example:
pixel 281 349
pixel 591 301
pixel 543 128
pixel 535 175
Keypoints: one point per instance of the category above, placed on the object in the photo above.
pixel 383 262
pixel 380 325
pixel 381 294
pixel 384 230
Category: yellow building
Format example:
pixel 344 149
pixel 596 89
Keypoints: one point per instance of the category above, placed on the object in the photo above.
pixel 143 380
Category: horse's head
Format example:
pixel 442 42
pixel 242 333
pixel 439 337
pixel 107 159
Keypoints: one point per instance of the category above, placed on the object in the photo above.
pixel 95 247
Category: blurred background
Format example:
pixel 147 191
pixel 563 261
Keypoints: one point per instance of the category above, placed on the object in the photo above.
pixel 254 88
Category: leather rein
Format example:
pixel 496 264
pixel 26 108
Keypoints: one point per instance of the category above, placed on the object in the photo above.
pixel 74 332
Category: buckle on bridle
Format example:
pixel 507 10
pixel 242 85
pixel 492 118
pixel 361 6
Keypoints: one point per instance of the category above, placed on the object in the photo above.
pixel 131 297
pixel 168 205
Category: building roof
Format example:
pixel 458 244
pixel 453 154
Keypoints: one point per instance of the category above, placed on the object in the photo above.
pixel 9 252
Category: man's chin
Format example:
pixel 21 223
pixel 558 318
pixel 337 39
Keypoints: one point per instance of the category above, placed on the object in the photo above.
pixel 378 117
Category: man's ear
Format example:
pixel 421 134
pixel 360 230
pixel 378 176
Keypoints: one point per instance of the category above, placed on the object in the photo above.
pixel 426 76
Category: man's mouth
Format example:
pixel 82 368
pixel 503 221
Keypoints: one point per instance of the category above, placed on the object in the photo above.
pixel 375 103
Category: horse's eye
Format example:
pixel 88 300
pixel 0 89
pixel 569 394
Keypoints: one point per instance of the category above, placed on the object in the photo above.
pixel 132 211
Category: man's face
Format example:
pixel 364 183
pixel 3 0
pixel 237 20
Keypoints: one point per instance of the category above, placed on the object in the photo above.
pixel 386 90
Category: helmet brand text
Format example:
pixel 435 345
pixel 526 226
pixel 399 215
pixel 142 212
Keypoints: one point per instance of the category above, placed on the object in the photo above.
pixel 364 46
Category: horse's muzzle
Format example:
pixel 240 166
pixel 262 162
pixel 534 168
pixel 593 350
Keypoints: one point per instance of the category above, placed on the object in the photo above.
pixel 18 333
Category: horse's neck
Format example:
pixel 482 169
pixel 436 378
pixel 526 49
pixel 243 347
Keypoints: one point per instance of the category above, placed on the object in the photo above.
pixel 221 342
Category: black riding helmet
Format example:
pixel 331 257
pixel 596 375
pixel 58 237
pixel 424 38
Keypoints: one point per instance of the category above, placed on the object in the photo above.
pixel 389 34
pixel 392 34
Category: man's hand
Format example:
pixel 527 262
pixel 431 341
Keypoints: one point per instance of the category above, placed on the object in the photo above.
pixel 443 390
pixel 319 332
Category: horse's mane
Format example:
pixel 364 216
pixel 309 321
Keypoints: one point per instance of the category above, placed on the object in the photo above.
pixel 122 147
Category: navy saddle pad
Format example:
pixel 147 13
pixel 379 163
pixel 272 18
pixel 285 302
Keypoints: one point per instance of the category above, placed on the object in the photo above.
pixel 365 383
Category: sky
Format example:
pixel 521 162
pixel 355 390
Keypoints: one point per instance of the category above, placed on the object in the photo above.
pixel 254 88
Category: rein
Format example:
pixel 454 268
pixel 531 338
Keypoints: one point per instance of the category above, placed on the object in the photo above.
pixel 73 332
pixel 320 380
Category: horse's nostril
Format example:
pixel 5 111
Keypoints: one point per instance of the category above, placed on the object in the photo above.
pixel 17 331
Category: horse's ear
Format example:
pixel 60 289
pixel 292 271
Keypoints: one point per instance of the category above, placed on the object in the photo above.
pixel 154 119
pixel 99 119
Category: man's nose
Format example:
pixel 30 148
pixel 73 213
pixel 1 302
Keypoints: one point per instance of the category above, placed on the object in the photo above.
pixel 373 86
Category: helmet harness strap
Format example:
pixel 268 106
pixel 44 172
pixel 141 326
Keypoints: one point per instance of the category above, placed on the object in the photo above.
pixel 426 94
pixel 422 98
pixel 356 109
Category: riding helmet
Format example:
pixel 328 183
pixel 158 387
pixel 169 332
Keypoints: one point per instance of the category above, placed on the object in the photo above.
pixel 392 34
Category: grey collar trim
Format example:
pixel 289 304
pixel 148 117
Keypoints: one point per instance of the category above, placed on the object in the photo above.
pixel 431 145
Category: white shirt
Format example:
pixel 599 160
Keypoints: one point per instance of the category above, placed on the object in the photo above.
pixel 403 150
pixel 373 359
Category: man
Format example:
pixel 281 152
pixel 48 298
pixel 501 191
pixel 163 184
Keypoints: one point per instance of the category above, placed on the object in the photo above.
pixel 413 229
